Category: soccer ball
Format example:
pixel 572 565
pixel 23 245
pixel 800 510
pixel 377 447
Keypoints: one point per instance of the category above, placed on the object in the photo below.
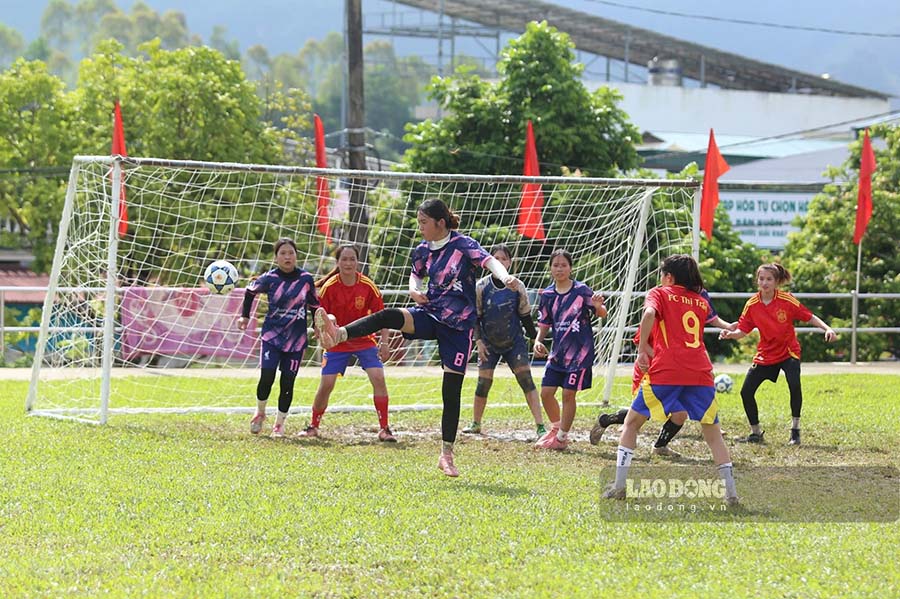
pixel 723 383
pixel 220 277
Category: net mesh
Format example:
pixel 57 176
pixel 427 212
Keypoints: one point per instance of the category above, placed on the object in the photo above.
pixel 171 336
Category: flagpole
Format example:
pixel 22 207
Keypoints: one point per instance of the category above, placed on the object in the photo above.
pixel 855 315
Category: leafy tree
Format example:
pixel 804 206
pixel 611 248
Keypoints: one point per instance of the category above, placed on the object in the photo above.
pixel 822 256
pixel 218 41
pixel 11 44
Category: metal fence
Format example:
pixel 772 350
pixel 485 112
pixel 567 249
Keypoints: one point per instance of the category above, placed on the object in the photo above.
pixel 854 329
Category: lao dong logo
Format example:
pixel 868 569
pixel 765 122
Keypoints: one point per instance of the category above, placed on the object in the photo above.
pixel 675 488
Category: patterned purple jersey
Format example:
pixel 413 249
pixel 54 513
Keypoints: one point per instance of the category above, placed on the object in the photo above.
pixel 451 279
pixel 291 295
pixel 569 314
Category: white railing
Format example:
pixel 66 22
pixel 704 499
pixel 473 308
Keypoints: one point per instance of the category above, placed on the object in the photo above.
pixel 854 329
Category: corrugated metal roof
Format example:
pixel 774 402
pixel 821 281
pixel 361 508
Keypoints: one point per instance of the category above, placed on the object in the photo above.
pixel 23 278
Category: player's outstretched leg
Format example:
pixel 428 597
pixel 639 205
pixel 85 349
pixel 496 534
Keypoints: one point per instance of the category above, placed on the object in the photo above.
pixel 603 422
pixel 326 329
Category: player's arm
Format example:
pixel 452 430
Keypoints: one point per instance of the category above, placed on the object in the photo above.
pixel 830 335
pixel 525 317
pixel 540 350
pixel 244 321
pixel 415 289
pixel 719 322
pixel 498 270
pixel 645 350
pixel 599 303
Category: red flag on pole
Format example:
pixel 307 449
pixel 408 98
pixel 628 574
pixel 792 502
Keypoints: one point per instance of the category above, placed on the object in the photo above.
pixel 118 149
pixel 709 199
pixel 864 196
pixel 323 194
pixel 530 223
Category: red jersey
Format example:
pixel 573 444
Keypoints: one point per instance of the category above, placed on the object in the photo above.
pixel 679 355
pixel 349 303
pixel 775 321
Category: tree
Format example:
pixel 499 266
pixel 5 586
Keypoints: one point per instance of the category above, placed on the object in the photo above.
pixel 483 127
pixel 822 257
pixel 11 44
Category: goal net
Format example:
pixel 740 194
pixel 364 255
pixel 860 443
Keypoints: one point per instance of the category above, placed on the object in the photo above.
pixel 128 326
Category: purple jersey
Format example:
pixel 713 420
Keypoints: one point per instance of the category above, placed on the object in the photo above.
pixel 290 295
pixel 569 314
pixel 451 279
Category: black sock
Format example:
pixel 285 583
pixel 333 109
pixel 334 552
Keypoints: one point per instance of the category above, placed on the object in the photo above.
pixel 618 417
pixel 669 430
pixel 451 391
pixel 390 318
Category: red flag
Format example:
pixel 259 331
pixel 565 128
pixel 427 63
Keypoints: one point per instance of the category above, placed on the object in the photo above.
pixel 709 199
pixel 323 194
pixel 530 208
pixel 864 196
pixel 118 149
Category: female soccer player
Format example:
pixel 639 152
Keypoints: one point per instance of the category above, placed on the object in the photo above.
pixel 566 306
pixel 673 424
pixel 350 295
pixel 502 313
pixel 679 373
pixel 773 312
pixel 291 293
pixel 446 311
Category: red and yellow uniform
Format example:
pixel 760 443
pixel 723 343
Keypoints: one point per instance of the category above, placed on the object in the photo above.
pixel 351 302
pixel 775 321
pixel 679 355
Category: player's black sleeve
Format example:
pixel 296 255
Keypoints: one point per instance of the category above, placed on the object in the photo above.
pixel 528 324
pixel 249 296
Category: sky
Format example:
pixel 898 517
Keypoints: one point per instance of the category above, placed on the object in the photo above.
pixel 284 26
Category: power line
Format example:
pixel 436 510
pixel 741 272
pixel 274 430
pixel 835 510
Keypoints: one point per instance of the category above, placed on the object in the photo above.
pixel 673 13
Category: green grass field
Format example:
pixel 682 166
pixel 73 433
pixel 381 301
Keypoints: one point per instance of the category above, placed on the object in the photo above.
pixel 194 506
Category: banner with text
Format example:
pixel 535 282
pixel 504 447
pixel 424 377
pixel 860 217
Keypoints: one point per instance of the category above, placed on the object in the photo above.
pixel 185 322
pixel 764 218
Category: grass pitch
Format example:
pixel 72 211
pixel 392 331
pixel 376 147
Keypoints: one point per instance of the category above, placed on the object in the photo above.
pixel 194 506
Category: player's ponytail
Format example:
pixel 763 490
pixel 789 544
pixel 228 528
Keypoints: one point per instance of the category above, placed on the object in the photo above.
pixel 684 270
pixel 436 208
pixel 336 270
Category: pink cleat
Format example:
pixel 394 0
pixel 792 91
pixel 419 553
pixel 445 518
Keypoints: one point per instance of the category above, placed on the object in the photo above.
pixel 549 436
pixel 445 464
pixel 278 431
pixel 326 329
pixel 555 443
pixel 386 436
pixel 257 423
pixel 309 432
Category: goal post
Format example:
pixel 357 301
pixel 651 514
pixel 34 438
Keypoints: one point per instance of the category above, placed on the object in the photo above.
pixel 128 327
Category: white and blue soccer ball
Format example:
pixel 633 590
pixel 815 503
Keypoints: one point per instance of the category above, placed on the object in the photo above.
pixel 723 383
pixel 220 277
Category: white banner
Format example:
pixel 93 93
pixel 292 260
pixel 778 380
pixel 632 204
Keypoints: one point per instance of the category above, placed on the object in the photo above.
pixel 764 218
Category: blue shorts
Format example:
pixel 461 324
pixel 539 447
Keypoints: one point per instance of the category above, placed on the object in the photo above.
pixel 577 380
pixel 271 357
pixel 454 346
pixel 516 356
pixel 658 401
pixel 335 362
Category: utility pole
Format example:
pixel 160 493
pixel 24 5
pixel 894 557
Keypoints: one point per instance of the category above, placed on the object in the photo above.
pixel 359 213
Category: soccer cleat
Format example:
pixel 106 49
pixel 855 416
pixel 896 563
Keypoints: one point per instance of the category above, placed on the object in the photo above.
pixel 752 438
pixel 326 329
pixel 599 428
pixel 257 423
pixel 556 444
pixel 665 451
pixel 795 437
pixel 613 493
pixel 544 440
pixel 473 429
pixel 278 431
pixel 386 436
pixel 445 464
pixel 309 432
pixel 732 501
pixel 541 431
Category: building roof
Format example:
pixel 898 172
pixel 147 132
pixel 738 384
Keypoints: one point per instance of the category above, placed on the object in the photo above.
pixel 605 37
pixel 14 277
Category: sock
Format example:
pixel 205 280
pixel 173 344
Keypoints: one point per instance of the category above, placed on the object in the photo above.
pixel 261 407
pixel 316 417
pixel 795 423
pixel 619 417
pixel 562 435
pixel 280 417
pixel 754 428
pixel 669 430
pixel 623 463
pixel 390 318
pixel 447 447
pixel 726 473
pixel 381 406
pixel 554 425
pixel 342 334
